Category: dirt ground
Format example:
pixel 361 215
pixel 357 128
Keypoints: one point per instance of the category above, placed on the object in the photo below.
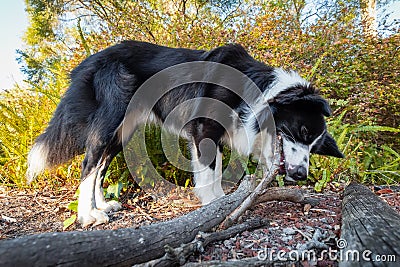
pixel 26 212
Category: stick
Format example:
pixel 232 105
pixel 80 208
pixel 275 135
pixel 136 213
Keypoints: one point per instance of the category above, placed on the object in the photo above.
pixel 180 255
pixel 255 195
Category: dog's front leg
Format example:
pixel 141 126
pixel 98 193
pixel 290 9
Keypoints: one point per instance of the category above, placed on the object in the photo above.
pixel 217 189
pixel 203 178
pixel 207 179
pixel 204 183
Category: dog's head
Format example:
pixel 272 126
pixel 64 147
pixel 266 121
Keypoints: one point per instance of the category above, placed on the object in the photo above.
pixel 299 114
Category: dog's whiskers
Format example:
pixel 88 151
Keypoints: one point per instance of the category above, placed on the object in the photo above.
pixel 291 136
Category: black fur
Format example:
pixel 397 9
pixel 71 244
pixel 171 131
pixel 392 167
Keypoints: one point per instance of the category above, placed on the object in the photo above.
pixel 102 85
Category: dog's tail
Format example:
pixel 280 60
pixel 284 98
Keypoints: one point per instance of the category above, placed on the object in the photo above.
pixel 55 146
pixel 67 132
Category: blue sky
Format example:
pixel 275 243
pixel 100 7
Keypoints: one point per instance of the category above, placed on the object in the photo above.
pixel 13 21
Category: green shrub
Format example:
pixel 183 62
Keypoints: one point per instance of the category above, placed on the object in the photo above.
pixel 22 117
pixel 364 161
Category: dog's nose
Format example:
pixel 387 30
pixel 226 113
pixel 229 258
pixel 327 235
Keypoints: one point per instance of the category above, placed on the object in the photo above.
pixel 298 172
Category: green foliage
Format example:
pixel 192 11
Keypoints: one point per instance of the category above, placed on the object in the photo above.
pixel 72 206
pixel 68 222
pixel 366 74
pixel 366 162
pixel 24 114
pixel 160 161
pixel 381 165
pixel 360 74
pixel 19 125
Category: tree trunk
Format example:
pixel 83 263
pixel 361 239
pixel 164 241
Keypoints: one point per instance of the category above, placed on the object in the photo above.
pixel 368 18
pixel 370 230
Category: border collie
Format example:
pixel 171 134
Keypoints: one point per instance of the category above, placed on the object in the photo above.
pixel 90 117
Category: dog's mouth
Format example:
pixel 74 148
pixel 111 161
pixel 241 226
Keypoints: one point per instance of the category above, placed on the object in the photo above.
pixel 297 171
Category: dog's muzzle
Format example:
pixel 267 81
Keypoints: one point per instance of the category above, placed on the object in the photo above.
pixel 292 172
pixel 297 172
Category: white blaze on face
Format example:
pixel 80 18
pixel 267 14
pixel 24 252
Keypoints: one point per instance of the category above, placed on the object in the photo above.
pixel 296 154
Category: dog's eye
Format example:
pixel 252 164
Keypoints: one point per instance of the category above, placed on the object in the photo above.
pixel 305 134
pixel 304 131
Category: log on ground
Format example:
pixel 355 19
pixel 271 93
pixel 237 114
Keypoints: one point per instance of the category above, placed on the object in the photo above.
pixel 122 247
pixel 370 229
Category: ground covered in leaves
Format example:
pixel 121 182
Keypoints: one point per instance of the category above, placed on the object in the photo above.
pixel 292 228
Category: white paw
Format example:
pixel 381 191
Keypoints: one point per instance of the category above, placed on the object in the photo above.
pixel 109 206
pixel 95 217
pixel 100 216
pixel 86 220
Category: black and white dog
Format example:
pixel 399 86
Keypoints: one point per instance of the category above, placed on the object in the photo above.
pixel 90 116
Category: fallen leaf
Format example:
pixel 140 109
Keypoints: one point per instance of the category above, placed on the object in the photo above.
pixel 307 208
pixel 384 191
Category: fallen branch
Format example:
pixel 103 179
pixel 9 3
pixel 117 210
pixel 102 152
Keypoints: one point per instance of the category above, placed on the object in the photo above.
pixel 264 194
pixel 248 202
pixel 292 194
pixel 180 255
pixel 121 247
pixel 261 187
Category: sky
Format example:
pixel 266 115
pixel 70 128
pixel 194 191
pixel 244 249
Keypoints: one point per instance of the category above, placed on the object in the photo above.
pixel 14 21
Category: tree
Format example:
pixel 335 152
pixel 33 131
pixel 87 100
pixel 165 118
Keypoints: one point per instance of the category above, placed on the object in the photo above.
pixel 368 18
pixel 324 40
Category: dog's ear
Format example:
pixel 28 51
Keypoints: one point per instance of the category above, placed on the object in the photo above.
pixel 303 95
pixel 320 103
pixel 327 146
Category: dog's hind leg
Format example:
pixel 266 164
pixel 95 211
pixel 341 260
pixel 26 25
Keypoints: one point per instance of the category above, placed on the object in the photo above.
pixel 101 204
pixel 101 149
pixel 102 145
pixel 92 206
pixel 86 214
